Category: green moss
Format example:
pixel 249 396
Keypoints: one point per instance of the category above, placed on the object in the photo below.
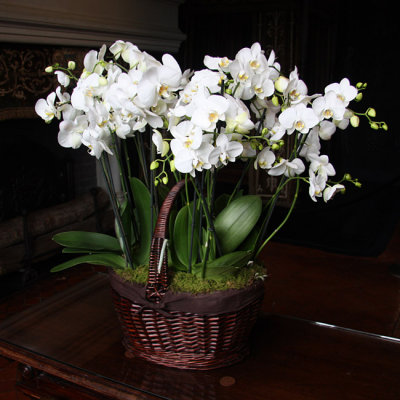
pixel 184 282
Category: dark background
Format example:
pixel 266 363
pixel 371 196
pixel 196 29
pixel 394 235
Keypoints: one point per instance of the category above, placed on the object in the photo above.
pixel 327 41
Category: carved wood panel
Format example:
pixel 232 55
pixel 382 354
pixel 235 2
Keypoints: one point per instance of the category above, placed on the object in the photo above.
pixel 23 79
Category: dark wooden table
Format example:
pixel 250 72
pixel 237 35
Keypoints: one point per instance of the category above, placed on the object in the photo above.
pixel 70 347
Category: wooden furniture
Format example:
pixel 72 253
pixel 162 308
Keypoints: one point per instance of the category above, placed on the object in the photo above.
pixel 69 347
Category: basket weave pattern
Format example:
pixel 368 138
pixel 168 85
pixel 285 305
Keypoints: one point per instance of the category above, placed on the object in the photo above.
pixel 176 338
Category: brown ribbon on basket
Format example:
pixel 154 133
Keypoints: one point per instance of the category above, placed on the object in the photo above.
pixel 218 302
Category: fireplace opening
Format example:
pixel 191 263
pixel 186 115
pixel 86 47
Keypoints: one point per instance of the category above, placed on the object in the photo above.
pixel 44 189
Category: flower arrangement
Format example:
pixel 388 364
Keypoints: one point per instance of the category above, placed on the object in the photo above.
pixel 188 125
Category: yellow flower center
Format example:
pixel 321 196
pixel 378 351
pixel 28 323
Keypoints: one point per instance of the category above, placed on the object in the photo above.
pixel 163 91
pixel 294 94
pixel 188 142
pixel 299 125
pixel 328 113
pixel 254 64
pixel 213 116
pixel 199 164
pixel 340 97
pixel 224 62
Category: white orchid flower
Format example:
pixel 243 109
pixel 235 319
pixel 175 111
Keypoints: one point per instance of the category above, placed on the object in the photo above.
pixel 242 85
pixel 320 165
pixel 217 63
pixel 87 89
pixel 97 140
pixel 209 110
pixel 121 94
pixel 94 61
pixel 296 90
pixel 237 117
pixel 277 132
pixel 312 145
pixel 329 106
pixel 298 117
pixel 343 90
pixel 63 99
pixel 63 78
pixel 265 159
pixel 226 150
pixel 98 116
pixel 317 185
pixel 188 161
pixel 330 191
pixel 160 82
pixel 274 67
pixel 46 108
pixel 262 86
pixel 162 145
pixel 326 130
pixel 287 168
pixel 131 54
pixel 71 131
pixel 190 135
pixel 253 57
pixel 205 79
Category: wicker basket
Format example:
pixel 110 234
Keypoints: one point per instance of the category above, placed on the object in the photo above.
pixel 183 330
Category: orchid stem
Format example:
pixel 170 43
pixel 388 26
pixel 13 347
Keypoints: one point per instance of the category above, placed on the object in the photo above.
pixel 284 220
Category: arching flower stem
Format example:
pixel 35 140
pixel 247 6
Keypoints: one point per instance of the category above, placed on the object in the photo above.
pixel 295 196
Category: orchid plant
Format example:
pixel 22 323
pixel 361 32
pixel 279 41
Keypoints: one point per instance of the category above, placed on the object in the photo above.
pixel 189 125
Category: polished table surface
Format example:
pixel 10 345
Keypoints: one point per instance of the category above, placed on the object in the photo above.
pixel 75 336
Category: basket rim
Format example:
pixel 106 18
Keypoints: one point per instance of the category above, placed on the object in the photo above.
pixel 212 303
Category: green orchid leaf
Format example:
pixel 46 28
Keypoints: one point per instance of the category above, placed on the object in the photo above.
pixel 249 243
pixel 236 221
pixel 71 250
pixel 127 218
pixel 107 259
pixel 182 236
pixel 224 266
pixel 220 203
pixel 87 240
pixel 142 200
pixel 173 261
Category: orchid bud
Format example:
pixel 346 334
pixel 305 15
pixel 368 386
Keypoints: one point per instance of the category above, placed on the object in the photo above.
pixel 384 126
pixel 359 97
pixel 103 81
pixel 275 146
pixel 281 84
pixel 71 65
pixel 154 165
pixel 275 101
pixel 165 180
pixel 347 177
pixel 371 112
pixel 49 69
pixel 357 184
pixel 374 126
pixel 172 165
pixel 355 121
pixel 155 182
